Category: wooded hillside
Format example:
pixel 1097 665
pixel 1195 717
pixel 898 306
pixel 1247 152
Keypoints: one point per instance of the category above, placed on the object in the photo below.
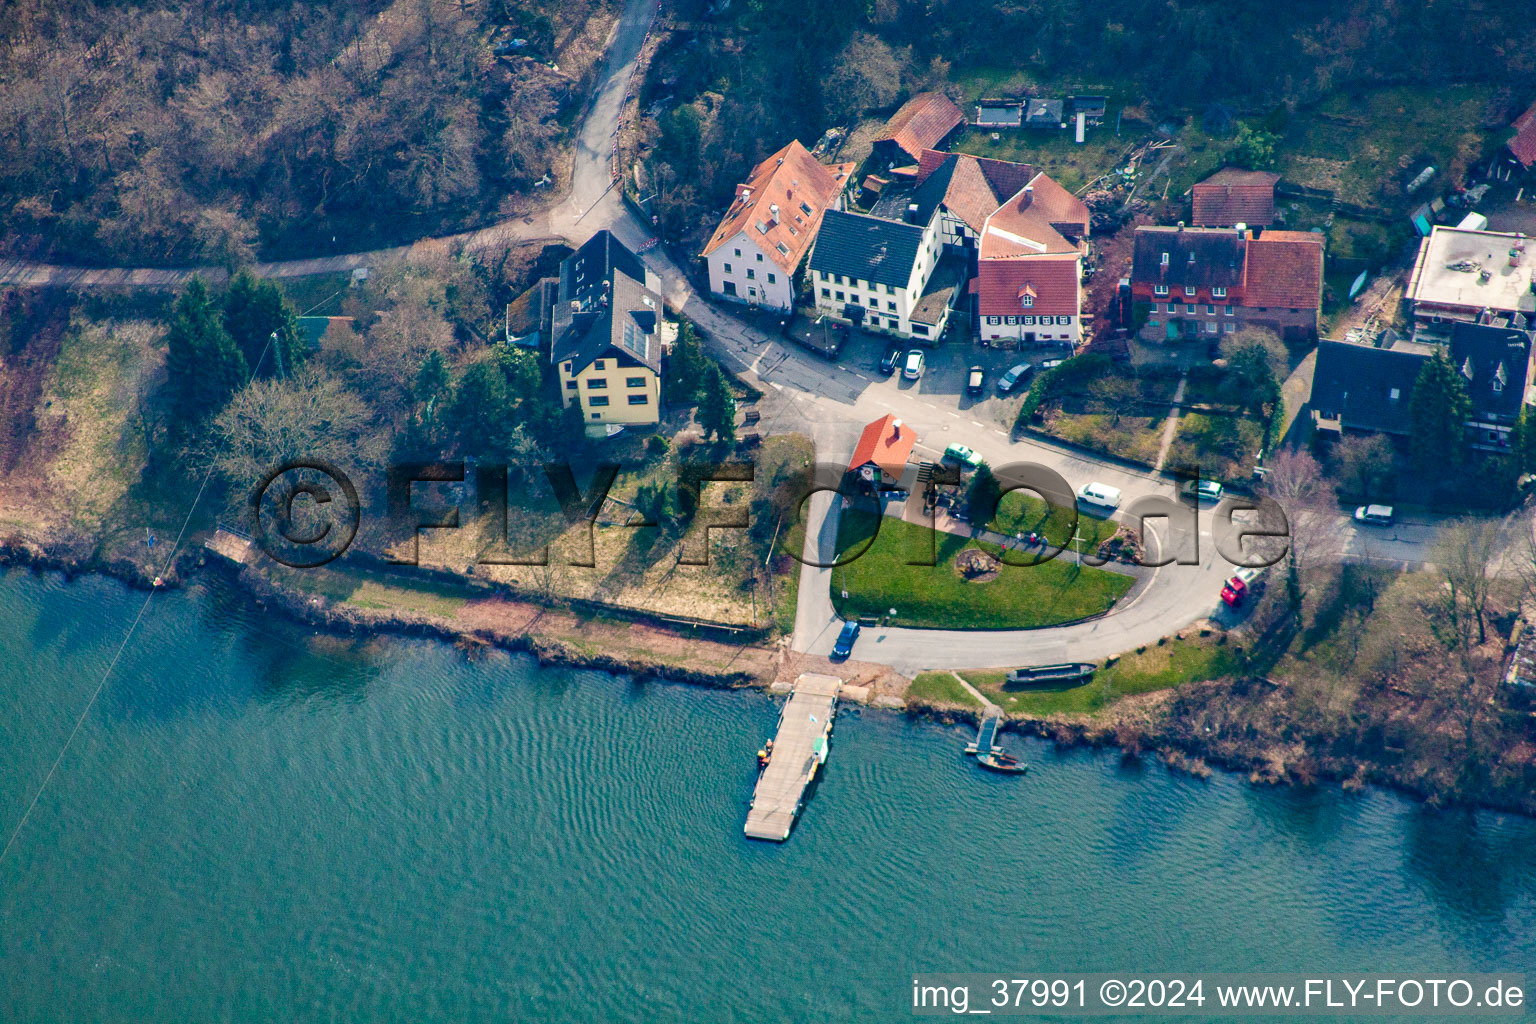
pixel 175 131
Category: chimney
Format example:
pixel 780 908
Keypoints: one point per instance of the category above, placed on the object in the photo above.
pixel 773 208
pixel 895 429
pixel 1029 197
pixel 1181 225
pixel 911 217
pixel 1241 230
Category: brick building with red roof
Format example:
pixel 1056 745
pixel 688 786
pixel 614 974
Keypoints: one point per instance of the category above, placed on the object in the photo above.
pixel 1201 283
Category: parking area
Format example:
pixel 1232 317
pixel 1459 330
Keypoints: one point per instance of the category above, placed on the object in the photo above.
pixel 945 367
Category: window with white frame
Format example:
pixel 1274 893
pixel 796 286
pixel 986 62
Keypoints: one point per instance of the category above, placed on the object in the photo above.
pixel 1159 289
pixel 1218 292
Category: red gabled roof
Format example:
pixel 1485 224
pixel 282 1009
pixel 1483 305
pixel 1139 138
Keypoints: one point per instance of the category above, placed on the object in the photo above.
pixel 887 443
pixel 786 179
pixel 1053 280
pixel 1035 221
pixel 976 186
pixel 1284 269
pixel 1523 145
pixel 922 122
pixel 1234 196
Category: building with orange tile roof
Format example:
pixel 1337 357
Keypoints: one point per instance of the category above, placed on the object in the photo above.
pixel 923 122
pixel 882 452
pixel 770 225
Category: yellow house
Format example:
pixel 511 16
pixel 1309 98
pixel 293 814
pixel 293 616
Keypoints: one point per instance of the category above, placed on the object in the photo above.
pixel 607 337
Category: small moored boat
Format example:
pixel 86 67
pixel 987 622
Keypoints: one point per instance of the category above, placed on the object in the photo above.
pixel 1002 763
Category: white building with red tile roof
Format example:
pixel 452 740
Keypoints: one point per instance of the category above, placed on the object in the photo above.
pixel 1029 268
pixel 770 225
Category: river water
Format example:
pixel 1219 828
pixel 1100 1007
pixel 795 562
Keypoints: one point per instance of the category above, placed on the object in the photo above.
pixel 258 823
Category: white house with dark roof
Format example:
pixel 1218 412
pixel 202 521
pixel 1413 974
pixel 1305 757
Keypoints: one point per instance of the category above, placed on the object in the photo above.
pixel 880 274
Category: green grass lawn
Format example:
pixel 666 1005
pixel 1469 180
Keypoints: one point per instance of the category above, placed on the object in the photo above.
pixel 1022 512
pixel 1156 668
pixel 940 688
pixel 936 596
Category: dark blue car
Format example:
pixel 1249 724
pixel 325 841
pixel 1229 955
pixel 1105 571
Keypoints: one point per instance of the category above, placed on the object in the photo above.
pixel 845 639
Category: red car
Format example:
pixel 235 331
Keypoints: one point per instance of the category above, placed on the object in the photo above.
pixel 1235 592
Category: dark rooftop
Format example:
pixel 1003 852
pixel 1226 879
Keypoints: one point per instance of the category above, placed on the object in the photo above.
pixel 1364 387
pixel 1202 258
pixel 1493 361
pixel 869 248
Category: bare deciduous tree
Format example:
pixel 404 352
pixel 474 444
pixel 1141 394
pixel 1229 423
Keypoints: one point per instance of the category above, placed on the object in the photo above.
pixel 1295 482
pixel 1463 558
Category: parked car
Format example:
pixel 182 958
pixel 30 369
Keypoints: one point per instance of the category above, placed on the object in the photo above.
pixel 1014 376
pixel 914 365
pixel 845 639
pixel 1375 515
pixel 975 381
pixel 963 455
pixel 1202 490
pixel 1238 588
pixel 890 359
pixel 1101 495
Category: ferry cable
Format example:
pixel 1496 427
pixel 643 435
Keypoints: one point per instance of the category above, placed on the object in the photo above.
pixel 133 627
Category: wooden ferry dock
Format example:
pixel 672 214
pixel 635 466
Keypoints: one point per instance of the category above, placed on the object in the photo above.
pixel 799 749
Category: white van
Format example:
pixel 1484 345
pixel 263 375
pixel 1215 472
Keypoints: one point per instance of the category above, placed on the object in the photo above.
pixel 1102 495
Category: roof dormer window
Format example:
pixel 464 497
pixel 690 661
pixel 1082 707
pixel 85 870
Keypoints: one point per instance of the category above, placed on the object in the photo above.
pixel 1165 259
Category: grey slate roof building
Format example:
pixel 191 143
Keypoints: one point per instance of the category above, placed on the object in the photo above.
pixel 1494 361
pixel 1365 388
pixel 604 303
pixel 1047 113
pixel 1177 257
pixel 866 248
